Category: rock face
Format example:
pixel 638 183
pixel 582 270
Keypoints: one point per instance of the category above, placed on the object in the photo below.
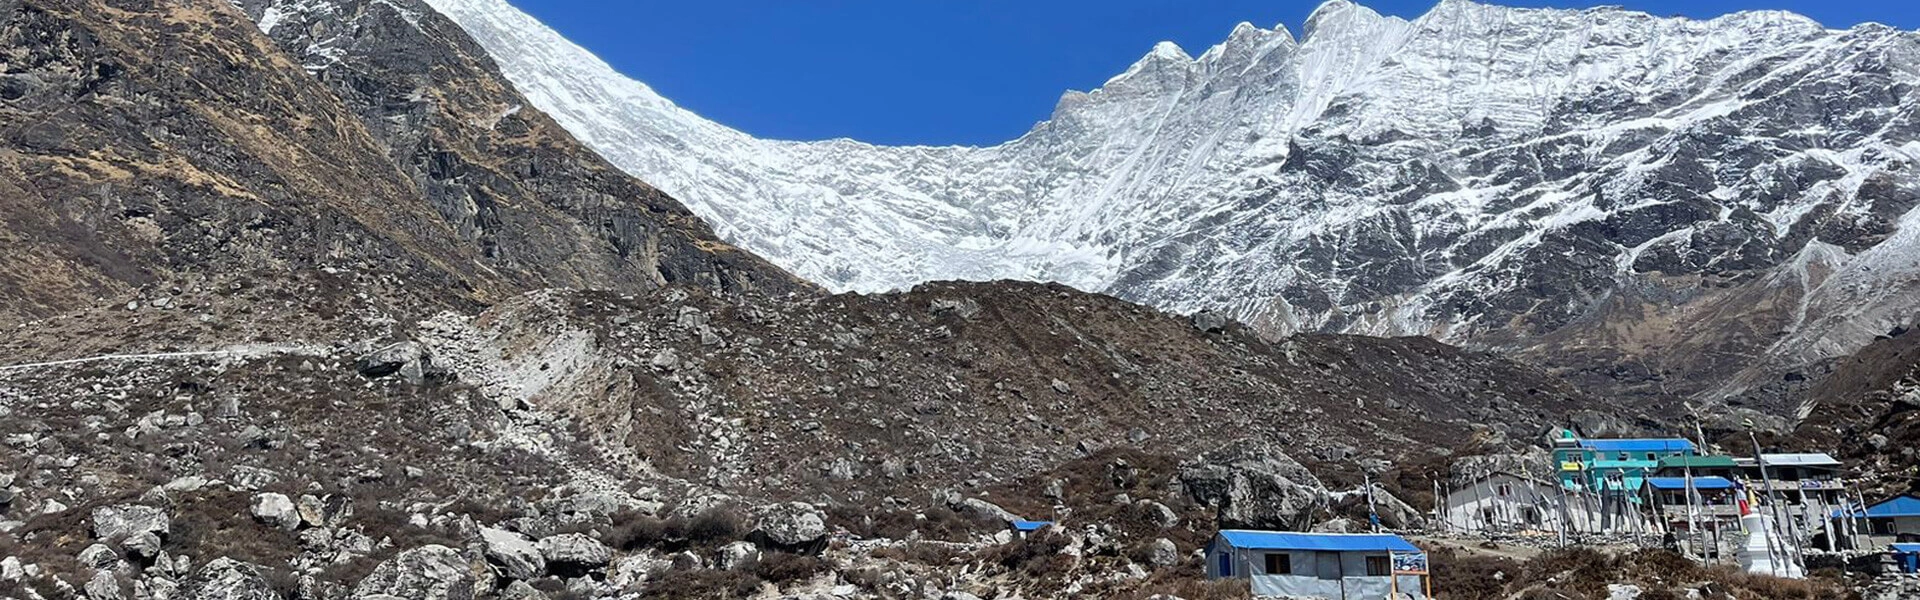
pixel 317 179
pixel 424 573
pixel 226 579
pixel 1256 488
pixel 1643 201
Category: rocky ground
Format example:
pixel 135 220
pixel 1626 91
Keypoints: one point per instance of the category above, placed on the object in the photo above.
pixel 282 439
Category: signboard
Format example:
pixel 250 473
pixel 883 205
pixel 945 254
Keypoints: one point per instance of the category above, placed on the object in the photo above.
pixel 1410 564
pixel 1569 466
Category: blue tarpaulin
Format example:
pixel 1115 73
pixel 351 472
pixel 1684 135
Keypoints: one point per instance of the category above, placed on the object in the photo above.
pixel 1024 525
pixel 1699 483
pixel 1322 542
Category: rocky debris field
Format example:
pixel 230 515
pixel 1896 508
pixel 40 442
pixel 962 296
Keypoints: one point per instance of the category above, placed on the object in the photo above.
pixel 283 438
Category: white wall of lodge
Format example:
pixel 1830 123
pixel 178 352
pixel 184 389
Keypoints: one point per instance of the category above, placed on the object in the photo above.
pixel 1505 502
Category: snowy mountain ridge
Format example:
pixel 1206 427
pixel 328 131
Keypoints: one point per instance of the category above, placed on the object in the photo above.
pixel 1636 197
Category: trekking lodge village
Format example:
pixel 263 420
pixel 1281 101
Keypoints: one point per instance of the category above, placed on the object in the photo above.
pixel 1782 515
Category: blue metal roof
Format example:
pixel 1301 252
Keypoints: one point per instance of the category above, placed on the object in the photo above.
pixel 1699 483
pixel 1025 525
pixel 1326 542
pixel 1906 548
pixel 1638 445
pixel 1903 506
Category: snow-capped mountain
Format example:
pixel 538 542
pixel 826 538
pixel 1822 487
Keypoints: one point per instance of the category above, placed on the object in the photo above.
pixel 1636 199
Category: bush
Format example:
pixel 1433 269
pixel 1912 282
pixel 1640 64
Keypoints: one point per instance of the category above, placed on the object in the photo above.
pixel 1037 555
pixel 781 568
pixel 701 584
pixel 711 529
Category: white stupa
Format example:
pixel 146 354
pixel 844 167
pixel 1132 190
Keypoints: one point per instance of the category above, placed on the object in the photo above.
pixel 1765 552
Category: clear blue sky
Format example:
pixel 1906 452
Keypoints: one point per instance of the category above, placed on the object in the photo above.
pixel 959 71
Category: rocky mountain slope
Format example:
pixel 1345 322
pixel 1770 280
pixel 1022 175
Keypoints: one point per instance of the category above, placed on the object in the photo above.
pixel 150 141
pixel 304 301
pixel 1659 206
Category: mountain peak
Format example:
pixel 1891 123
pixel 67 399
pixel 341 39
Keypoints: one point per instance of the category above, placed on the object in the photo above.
pixel 1341 15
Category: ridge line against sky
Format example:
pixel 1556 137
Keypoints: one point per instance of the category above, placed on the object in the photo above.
pixel 972 72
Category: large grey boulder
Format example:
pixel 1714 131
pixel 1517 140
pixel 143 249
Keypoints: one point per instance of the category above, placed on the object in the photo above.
pixel 275 510
pixel 426 573
pixel 792 526
pixel 1255 488
pixel 981 510
pixel 120 521
pixel 11 569
pixel 408 359
pixel 103 586
pixel 513 554
pixel 225 579
pixel 1162 553
pixel 574 554
pixel 1394 512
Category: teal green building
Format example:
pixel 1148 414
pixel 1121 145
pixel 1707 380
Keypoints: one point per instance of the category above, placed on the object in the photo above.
pixel 1613 466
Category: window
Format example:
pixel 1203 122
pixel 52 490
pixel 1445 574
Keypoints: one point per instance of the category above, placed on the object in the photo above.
pixel 1279 564
pixel 1379 566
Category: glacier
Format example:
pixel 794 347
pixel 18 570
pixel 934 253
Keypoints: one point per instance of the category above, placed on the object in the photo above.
pixel 1635 200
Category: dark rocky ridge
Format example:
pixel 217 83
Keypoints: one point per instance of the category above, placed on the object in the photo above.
pixel 145 140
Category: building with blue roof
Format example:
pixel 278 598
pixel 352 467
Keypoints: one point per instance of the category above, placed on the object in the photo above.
pixel 1616 468
pixel 1896 518
pixel 1345 566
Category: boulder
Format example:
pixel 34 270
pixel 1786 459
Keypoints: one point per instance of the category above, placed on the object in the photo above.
pixel 408 359
pixel 97 556
pixel 521 590
pixel 426 573
pixel 737 555
pixel 975 508
pixel 118 522
pixel 515 556
pixel 574 554
pixel 103 586
pixel 1255 488
pixel 144 546
pixel 1156 513
pixel 1209 321
pixel 275 510
pixel 792 527
pixel 1394 512
pixel 11 569
pixel 1162 553
pixel 636 569
pixel 225 579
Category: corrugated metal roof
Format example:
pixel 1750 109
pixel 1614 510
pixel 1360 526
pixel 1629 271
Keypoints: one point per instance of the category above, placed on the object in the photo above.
pixel 1638 445
pixel 1699 483
pixel 1906 548
pixel 1025 525
pixel 1698 462
pixel 1809 459
pixel 1324 542
pixel 1904 506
